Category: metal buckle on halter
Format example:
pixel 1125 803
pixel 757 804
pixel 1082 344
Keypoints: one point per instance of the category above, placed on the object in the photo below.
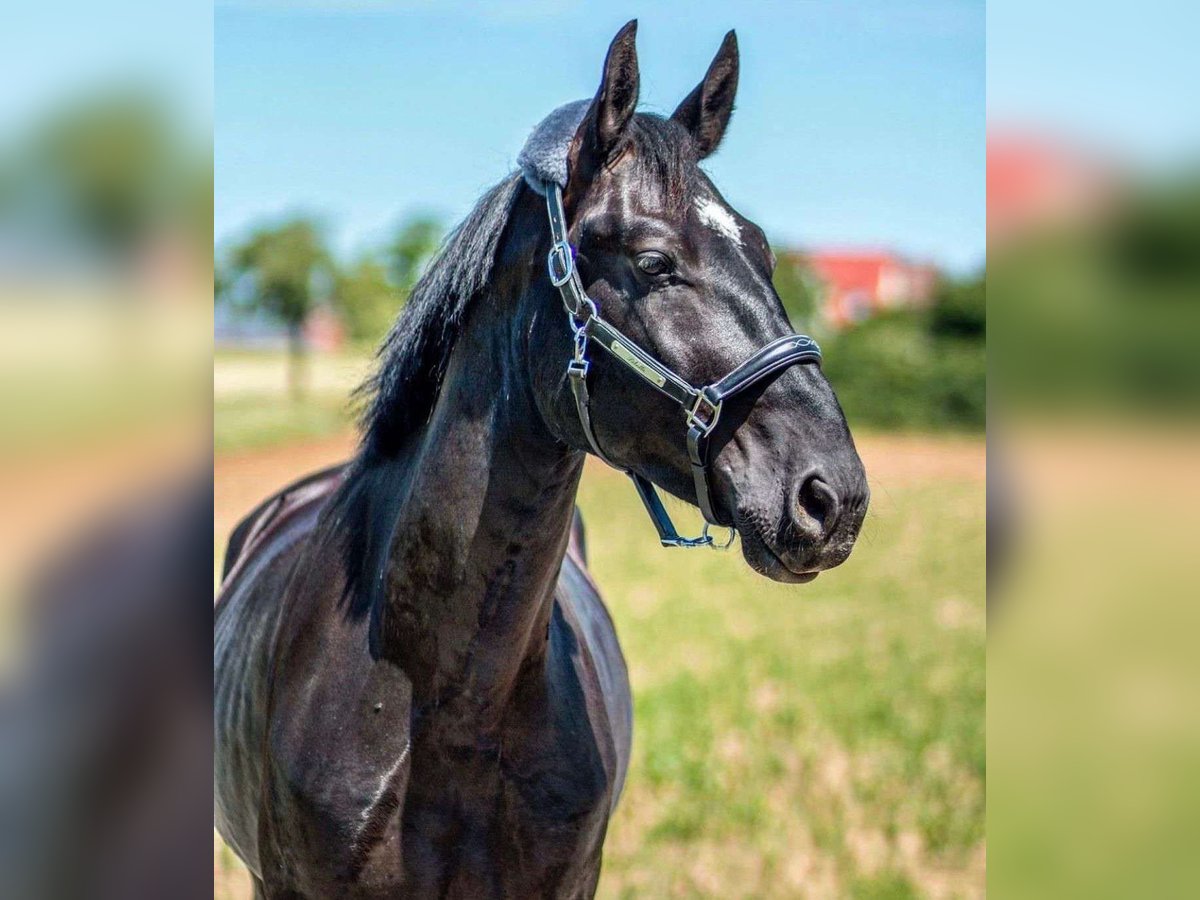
pixel 687 543
pixel 561 263
pixel 705 540
pixel 578 368
pixel 695 419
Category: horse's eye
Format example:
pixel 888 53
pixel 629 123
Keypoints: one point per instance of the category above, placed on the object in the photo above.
pixel 654 263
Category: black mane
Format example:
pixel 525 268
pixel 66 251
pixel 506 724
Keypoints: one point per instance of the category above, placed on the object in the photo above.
pixel 412 359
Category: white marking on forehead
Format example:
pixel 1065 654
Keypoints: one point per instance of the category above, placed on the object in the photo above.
pixel 719 218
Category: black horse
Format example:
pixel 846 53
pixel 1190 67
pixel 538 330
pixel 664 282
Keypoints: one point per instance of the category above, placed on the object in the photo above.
pixel 418 689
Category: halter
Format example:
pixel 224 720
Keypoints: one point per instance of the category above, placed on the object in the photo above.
pixel 701 406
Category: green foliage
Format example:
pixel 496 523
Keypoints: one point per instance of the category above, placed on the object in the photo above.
pixel 1102 319
pixel 1157 240
pixel 366 301
pixel 960 310
pixel 922 369
pixel 282 265
pixel 285 270
pixel 413 246
pixel 370 292
pixel 111 167
pixel 279 270
pixel 796 288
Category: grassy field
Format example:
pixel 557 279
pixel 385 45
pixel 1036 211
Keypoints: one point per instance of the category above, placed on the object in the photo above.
pixel 825 740
pixel 816 741
pixel 252 408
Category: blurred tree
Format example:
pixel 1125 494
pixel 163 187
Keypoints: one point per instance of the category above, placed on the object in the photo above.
pixel 796 288
pixel 415 243
pixel 365 299
pixel 919 368
pixel 959 309
pixel 198 194
pixel 111 163
pixel 371 290
pixel 1156 243
pixel 282 269
pixel 221 282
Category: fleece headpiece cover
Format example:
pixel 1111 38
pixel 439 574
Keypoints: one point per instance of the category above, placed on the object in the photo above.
pixel 544 157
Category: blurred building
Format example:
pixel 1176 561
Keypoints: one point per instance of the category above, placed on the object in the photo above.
pixel 324 329
pixel 853 285
pixel 1036 181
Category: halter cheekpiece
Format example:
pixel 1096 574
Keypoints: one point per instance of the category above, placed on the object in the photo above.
pixel 701 406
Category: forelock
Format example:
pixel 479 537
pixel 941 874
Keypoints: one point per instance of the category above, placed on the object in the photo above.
pixel 665 157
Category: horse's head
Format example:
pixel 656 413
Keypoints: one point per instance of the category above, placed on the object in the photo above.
pixel 673 266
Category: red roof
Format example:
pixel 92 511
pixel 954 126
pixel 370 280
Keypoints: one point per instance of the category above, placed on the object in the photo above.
pixel 860 282
pixel 849 271
pixel 1034 180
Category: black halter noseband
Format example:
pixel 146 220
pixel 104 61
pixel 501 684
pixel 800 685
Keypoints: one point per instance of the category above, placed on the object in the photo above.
pixel 702 406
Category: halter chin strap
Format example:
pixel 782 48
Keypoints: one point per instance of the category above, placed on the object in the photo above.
pixel 701 406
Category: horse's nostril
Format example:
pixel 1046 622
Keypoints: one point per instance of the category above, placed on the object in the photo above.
pixel 816 502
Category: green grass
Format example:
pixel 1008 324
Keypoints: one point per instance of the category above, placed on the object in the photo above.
pixel 255 420
pixel 789 738
pixel 252 407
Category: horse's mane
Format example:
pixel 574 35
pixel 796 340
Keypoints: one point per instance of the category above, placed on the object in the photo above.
pixel 401 393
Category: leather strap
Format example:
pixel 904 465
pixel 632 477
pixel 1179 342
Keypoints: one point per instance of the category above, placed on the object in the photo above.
pixel 577 372
pixel 667 535
pixel 697 444
pixel 642 363
pixel 564 274
pixel 780 354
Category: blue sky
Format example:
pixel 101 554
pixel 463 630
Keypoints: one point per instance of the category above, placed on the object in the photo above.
pixel 55 52
pixel 1120 76
pixel 857 123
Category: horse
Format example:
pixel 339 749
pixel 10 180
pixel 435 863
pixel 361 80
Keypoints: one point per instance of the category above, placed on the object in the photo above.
pixel 418 689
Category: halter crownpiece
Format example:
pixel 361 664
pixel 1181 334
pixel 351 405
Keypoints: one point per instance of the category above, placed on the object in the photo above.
pixel 701 406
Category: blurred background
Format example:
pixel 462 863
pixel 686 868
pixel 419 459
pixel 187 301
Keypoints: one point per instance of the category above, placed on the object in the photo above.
pixel 105 461
pixel 1094 303
pixel 825 741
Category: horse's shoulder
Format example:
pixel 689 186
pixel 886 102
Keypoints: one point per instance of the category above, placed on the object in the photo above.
pixel 339 753
pixel 260 523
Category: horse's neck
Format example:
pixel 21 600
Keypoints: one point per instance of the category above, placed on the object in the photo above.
pixel 475 555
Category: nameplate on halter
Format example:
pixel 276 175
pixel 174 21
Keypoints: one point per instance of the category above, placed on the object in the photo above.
pixel 626 356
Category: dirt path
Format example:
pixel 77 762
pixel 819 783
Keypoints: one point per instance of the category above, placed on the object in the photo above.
pixel 245 478
pixel 899 460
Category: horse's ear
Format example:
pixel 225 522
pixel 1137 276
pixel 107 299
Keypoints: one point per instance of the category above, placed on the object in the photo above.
pixel 705 111
pixel 604 123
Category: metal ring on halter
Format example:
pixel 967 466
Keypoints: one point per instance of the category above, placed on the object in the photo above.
pixel 561 263
pixel 588 310
pixel 704 535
